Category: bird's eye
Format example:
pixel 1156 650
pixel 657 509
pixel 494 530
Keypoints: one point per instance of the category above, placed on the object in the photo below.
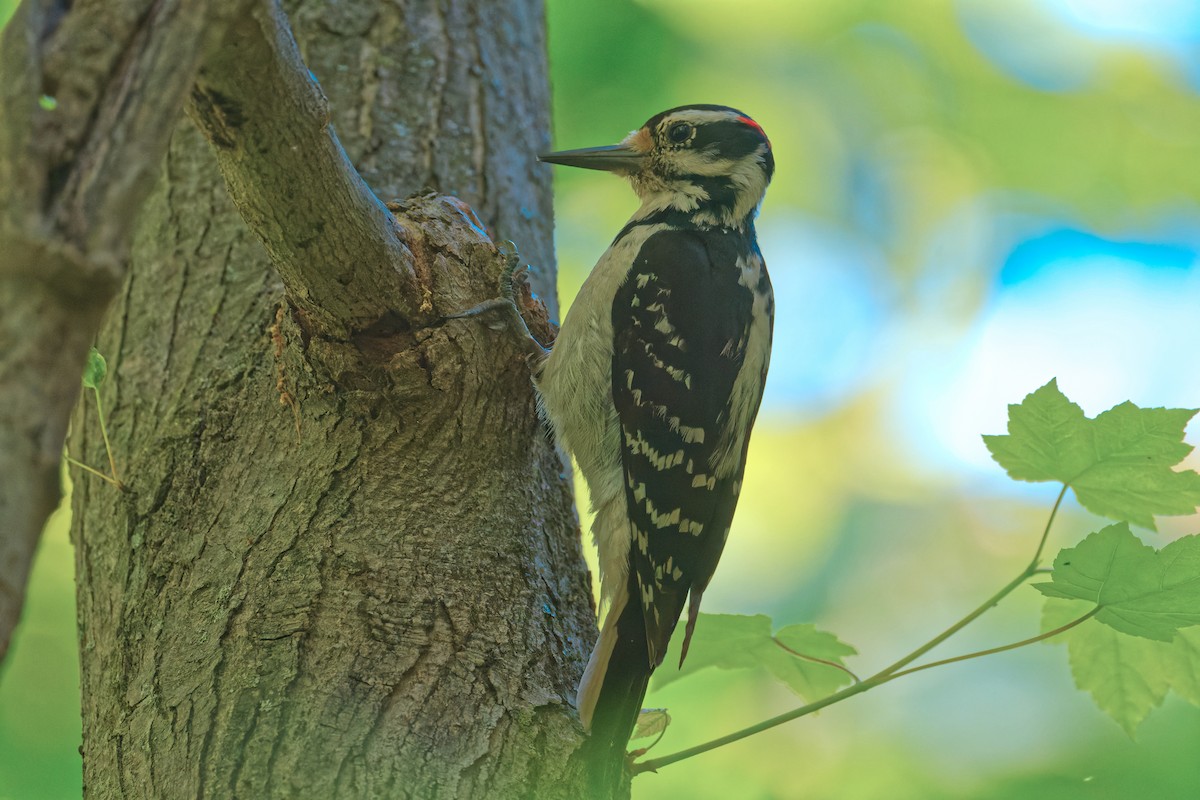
pixel 680 132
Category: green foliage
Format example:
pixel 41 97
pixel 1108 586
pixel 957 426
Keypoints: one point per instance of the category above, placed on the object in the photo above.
pixel 1138 590
pixel 1140 642
pixel 807 660
pixel 1127 676
pixel 1126 609
pixel 1119 463
pixel 651 722
pixel 95 371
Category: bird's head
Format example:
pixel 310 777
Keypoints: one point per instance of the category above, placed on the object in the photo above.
pixel 712 163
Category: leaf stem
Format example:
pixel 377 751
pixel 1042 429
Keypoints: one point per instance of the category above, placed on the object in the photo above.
pixel 654 764
pixel 816 660
pixel 1026 573
pixel 641 751
pixel 112 464
pixel 93 470
pixel 892 671
pixel 1037 555
pixel 991 651
pixel 878 679
pixel 958 626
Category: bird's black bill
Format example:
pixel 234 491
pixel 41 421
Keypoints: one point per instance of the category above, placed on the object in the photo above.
pixel 612 158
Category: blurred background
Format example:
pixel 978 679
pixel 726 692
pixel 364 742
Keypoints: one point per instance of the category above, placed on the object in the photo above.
pixel 971 198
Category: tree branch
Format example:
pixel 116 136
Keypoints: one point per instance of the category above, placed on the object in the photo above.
pixel 91 93
pixel 340 253
pixel 896 669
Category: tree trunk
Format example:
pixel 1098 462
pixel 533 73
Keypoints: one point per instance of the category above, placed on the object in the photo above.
pixel 88 97
pixel 347 563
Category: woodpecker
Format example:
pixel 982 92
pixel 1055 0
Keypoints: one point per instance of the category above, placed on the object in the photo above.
pixel 654 382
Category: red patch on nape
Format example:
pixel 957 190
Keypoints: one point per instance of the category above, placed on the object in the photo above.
pixel 747 121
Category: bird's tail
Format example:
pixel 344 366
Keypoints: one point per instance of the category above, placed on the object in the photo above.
pixel 614 684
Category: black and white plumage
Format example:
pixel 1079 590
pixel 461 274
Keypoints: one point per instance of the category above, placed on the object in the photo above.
pixel 654 383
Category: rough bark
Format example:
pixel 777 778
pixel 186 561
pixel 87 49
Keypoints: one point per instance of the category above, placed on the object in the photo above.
pixel 347 564
pixel 90 94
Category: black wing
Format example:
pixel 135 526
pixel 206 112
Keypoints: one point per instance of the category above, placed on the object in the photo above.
pixel 681 321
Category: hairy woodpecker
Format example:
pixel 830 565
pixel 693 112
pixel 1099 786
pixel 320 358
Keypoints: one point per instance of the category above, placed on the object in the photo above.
pixel 654 382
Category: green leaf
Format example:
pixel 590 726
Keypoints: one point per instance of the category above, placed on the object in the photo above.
pixel 1119 464
pixel 1045 440
pixel 809 679
pixel 1181 661
pixel 651 722
pixel 1140 591
pixel 733 641
pixel 95 370
pixel 1127 676
pixel 728 641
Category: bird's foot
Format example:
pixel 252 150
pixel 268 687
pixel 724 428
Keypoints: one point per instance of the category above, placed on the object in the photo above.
pixel 506 303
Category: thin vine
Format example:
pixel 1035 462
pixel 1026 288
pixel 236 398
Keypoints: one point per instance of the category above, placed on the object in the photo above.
pixel 896 669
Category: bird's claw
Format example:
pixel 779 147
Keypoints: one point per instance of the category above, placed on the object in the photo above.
pixel 507 301
pixel 513 270
pixel 494 304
